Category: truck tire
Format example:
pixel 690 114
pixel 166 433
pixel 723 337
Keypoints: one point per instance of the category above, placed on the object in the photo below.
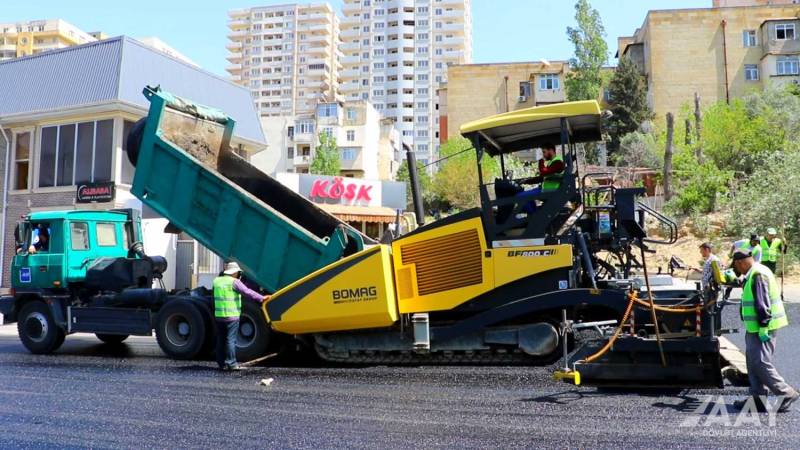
pixel 254 333
pixel 135 140
pixel 111 338
pixel 180 329
pixel 37 330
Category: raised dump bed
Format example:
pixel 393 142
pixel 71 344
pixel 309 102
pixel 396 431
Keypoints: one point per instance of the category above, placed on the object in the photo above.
pixel 186 172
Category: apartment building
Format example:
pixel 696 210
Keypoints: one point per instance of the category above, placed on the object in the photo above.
pixel 369 145
pixel 396 53
pixel 721 52
pixel 36 36
pixel 473 91
pixel 286 55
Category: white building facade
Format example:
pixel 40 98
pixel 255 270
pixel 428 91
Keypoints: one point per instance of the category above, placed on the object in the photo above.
pixel 286 55
pixel 396 53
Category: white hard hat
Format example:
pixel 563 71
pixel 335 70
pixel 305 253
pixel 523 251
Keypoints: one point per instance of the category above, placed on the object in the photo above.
pixel 232 268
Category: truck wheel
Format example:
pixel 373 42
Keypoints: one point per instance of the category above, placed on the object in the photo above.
pixel 180 330
pixel 111 338
pixel 37 330
pixel 135 140
pixel 254 333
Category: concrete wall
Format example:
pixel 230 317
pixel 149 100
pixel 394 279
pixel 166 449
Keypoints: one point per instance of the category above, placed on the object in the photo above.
pixel 479 90
pixel 683 53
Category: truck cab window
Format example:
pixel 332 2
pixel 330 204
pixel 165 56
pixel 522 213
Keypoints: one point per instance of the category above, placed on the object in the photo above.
pixel 106 234
pixel 40 239
pixel 79 235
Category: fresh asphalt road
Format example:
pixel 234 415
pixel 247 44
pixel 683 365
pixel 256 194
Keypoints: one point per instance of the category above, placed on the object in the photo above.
pixel 93 395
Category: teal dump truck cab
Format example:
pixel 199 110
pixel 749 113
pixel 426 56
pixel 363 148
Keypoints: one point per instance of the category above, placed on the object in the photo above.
pixel 55 249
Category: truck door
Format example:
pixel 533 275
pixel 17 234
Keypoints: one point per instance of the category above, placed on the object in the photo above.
pixel 40 264
pixel 79 250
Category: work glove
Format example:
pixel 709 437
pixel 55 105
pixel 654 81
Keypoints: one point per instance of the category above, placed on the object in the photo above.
pixel 763 334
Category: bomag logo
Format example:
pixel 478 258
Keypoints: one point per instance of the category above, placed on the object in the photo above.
pixel 530 253
pixel 361 294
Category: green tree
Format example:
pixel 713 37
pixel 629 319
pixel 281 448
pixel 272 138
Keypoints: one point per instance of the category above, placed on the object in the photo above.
pixel 326 157
pixel 591 53
pixel 455 183
pixel 628 103
pixel 424 178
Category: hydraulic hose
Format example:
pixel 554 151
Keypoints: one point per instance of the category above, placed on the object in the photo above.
pixel 631 300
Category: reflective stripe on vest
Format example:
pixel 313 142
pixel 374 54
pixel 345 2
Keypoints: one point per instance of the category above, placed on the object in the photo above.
pixel 227 302
pixel 749 315
pixel 552 182
pixel 770 251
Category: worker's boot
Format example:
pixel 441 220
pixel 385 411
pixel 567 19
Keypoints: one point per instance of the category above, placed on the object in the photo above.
pixel 741 404
pixel 786 404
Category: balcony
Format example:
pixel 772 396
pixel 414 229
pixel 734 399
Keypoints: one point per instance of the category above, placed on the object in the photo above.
pixel 301 160
pixel 351 60
pixel 325 28
pixel 233 68
pixel 238 23
pixel 354 161
pixel 8 48
pixel 316 18
pixel 237 35
pixel 457 28
pixel 350 46
pixel 350 74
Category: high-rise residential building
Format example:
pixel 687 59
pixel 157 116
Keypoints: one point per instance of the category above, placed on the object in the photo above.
pixel 396 54
pixel 287 56
pixel 720 53
pixel 36 36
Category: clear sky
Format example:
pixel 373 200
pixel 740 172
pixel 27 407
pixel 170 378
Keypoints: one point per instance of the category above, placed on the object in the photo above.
pixel 504 30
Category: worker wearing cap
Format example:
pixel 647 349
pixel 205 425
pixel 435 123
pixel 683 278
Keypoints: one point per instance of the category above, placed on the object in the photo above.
pixel 707 252
pixel 771 247
pixel 228 291
pixel 763 314
pixel 754 247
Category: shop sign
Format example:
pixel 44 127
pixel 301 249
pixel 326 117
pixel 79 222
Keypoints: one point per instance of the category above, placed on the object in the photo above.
pixel 95 192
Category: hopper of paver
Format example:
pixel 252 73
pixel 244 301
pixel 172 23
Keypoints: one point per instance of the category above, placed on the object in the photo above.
pixel 187 173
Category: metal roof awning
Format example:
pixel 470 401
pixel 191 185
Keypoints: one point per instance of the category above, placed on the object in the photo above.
pixel 375 214
pixel 528 128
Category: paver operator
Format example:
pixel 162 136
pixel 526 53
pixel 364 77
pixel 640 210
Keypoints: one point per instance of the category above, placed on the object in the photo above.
pixel 551 171
pixel 228 291
pixel 763 314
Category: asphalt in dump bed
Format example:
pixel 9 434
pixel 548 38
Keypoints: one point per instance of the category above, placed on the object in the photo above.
pixel 94 395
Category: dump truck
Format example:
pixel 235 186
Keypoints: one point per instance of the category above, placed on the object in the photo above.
pixel 490 285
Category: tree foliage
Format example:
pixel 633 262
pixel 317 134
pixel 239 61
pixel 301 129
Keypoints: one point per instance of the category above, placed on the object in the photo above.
pixel 456 181
pixel 424 177
pixel 591 53
pixel 628 103
pixel 639 150
pixel 326 157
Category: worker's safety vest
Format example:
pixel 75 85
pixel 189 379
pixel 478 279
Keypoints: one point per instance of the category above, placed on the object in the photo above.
pixel 749 315
pixel 769 251
pixel 552 182
pixel 755 252
pixel 227 302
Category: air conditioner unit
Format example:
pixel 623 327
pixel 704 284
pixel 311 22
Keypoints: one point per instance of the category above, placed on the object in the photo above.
pixel 522 98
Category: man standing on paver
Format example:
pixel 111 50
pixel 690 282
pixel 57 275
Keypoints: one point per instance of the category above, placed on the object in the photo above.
pixel 771 247
pixel 763 314
pixel 228 291
pixel 706 251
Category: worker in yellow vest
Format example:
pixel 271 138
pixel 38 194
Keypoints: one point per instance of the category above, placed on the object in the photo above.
pixel 771 247
pixel 763 315
pixel 228 291
pixel 551 172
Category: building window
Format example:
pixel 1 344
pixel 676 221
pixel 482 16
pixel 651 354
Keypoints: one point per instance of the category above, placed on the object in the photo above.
pixel 22 158
pixel 290 132
pixel 378 93
pixel 76 153
pixel 422 119
pixel 349 153
pixel 352 114
pixel 749 38
pixel 377 79
pixel 524 89
pixel 305 127
pixel 751 72
pixel 290 152
pixel 326 110
pixel 788 65
pixel 784 31
pixel 351 135
pixel 378 65
pixel 548 81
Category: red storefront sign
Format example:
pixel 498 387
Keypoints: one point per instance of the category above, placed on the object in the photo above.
pixel 338 189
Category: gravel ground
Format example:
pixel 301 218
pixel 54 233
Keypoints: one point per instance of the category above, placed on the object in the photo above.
pixel 93 395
